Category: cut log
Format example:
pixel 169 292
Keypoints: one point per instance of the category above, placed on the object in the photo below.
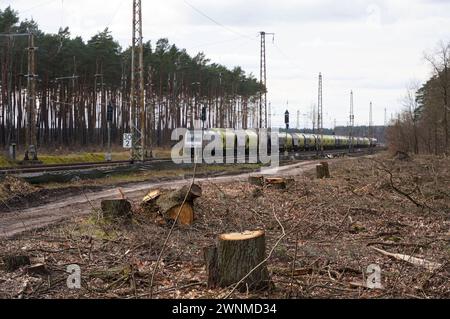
pixel 186 214
pixel 151 196
pixel 14 262
pixel 38 270
pixel 277 183
pixel 256 180
pixel 171 204
pixel 236 257
pixel 118 209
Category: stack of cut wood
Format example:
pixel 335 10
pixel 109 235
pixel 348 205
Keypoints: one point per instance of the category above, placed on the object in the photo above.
pixel 174 205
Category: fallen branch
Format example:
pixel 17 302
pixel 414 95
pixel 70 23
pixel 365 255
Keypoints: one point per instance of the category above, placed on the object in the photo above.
pixel 399 191
pixel 429 265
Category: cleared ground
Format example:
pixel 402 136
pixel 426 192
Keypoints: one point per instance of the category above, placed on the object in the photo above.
pixel 328 229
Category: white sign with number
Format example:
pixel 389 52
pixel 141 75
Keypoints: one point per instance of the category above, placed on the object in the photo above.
pixel 194 139
pixel 127 140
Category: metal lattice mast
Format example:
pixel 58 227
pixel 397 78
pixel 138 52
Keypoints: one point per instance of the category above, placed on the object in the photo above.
pixel 263 78
pixel 314 118
pixel 320 114
pixel 385 117
pixel 98 91
pixel 270 115
pixel 139 150
pixel 30 139
pixel 263 121
pixel 352 121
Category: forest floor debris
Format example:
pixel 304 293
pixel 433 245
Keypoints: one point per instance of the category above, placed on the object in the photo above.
pixel 330 228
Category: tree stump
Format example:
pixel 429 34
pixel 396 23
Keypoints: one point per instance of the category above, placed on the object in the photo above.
pixel 323 170
pixel 171 203
pixel 256 180
pixel 117 209
pixel 236 255
pixel 277 183
pixel 320 171
pixel 14 262
pixel 326 169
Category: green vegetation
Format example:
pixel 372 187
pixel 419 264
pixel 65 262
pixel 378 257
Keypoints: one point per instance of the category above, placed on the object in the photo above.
pixel 82 157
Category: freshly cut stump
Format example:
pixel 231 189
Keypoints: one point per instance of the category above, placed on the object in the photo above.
pixel 235 256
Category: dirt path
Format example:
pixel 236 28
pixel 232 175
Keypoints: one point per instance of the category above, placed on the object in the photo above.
pixel 14 223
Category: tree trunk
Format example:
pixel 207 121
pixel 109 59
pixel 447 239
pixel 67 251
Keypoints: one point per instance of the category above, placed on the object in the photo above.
pixel 236 256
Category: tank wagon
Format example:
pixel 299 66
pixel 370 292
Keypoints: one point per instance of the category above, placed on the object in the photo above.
pixel 290 142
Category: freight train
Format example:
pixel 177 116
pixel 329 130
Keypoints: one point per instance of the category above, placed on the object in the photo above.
pixel 290 142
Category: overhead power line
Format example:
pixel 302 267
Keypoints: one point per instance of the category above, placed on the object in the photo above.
pixel 215 21
pixel 38 5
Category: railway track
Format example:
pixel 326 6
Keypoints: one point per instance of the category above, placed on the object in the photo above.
pixel 65 173
pixel 69 167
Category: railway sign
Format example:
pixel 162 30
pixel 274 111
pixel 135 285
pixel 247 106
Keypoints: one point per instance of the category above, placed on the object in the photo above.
pixel 128 140
pixel 204 114
pixel 194 140
pixel 110 112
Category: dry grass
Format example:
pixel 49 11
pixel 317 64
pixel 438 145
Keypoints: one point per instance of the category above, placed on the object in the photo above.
pixel 69 157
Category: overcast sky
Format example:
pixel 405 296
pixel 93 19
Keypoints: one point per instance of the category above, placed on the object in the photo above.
pixel 373 47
